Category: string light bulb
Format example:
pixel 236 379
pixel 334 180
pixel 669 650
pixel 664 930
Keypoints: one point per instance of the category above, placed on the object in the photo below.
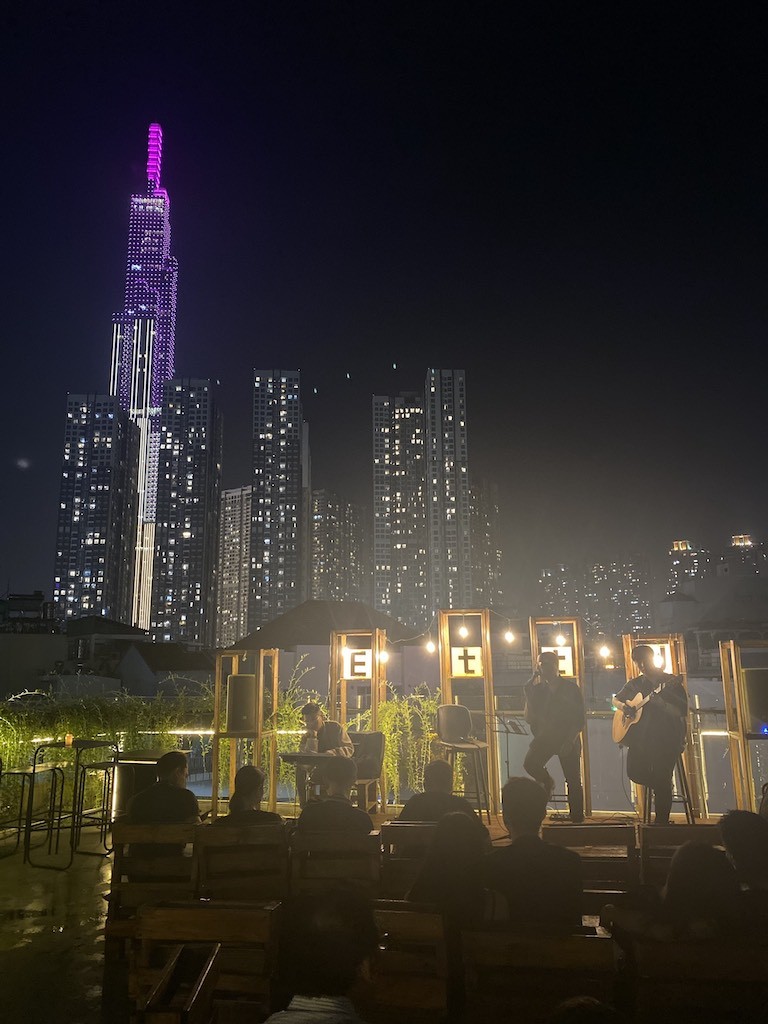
pixel 463 631
pixel 560 640
pixel 604 651
pixel 509 636
pixel 430 645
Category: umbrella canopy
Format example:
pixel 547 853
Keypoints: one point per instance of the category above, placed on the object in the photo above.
pixel 310 625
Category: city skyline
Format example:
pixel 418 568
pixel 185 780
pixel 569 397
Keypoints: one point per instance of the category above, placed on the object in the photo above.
pixel 582 234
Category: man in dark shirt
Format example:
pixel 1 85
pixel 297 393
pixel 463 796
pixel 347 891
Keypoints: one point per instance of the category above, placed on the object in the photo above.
pixel 335 812
pixel 168 801
pixel 657 739
pixel 541 883
pixel 321 737
pixel 438 798
pixel 554 709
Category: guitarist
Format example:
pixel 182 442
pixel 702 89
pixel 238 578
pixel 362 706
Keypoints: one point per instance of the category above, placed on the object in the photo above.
pixel 554 709
pixel 657 739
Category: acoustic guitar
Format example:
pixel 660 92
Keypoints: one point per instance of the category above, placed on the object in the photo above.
pixel 622 722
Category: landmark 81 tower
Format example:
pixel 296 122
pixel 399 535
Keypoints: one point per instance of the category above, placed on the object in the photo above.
pixel 143 337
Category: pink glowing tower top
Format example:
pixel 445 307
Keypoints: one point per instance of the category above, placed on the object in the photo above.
pixel 154 155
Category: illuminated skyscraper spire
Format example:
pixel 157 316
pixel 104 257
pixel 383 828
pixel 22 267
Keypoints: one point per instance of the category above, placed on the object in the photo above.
pixel 143 348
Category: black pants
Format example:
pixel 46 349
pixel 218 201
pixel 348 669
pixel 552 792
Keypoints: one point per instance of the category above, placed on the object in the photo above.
pixel 541 750
pixel 654 767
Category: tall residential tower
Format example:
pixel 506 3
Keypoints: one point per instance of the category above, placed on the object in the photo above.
pixel 143 342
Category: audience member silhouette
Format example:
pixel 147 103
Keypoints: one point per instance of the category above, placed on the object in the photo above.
pixel 335 812
pixel 541 883
pixel 166 802
pixel 700 900
pixel 327 946
pixel 745 837
pixel 245 802
pixel 450 877
pixel 438 797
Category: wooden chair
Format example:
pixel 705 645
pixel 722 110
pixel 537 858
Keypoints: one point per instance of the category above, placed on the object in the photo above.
pixel 530 971
pixel 714 981
pixel 369 755
pixel 410 973
pixel 404 845
pixel 322 859
pixel 658 843
pixel 148 867
pixel 183 994
pixel 241 863
pixel 240 981
pixel 609 859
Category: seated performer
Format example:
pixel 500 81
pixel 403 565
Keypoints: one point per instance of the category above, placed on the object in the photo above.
pixel 335 812
pixel 245 802
pixel 554 709
pixel 322 737
pixel 438 798
pixel 657 739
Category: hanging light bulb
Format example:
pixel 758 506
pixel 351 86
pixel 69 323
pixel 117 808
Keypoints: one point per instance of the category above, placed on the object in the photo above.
pixel 463 631
pixel 509 636
pixel 430 645
pixel 604 652
pixel 560 640
pixel 384 657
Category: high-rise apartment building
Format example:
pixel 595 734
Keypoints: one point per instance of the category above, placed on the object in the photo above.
pixel 447 473
pixel 337 562
pixel 95 536
pixel 487 591
pixel 686 563
pixel 617 598
pixel 186 531
pixel 400 540
pixel 559 591
pixel 234 573
pixel 422 558
pixel 280 497
pixel 143 345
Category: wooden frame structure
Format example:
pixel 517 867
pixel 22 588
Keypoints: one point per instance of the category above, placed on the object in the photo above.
pixel 338 681
pixel 671 646
pixel 738 719
pixel 268 659
pixel 571 628
pixel 445 619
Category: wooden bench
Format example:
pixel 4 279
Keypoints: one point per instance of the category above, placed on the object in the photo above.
pixel 658 844
pixel 714 981
pixel 609 859
pixel 150 864
pixel 322 859
pixel 529 971
pixel 404 845
pixel 241 863
pixel 183 994
pixel 241 981
pixel 409 981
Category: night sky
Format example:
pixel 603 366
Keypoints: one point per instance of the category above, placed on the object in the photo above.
pixel 567 200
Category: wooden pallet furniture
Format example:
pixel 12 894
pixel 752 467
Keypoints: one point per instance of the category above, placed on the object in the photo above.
pixel 241 863
pixel 323 859
pixel 404 846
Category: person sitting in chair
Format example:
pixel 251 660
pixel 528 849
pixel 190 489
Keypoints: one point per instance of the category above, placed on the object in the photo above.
pixel 438 798
pixel 166 802
pixel 327 947
pixel 541 882
pixel 322 736
pixel 335 812
pixel 245 802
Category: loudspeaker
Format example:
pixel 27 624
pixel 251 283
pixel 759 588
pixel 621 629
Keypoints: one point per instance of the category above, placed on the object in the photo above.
pixel 241 704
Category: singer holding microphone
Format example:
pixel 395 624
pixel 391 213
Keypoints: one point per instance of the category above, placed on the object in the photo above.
pixel 554 709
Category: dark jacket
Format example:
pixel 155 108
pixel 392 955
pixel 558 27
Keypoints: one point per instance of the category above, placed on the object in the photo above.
pixel 556 712
pixel 541 883
pixel 334 814
pixel 663 721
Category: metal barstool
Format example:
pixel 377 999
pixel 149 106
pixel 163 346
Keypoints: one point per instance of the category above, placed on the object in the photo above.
pixel 684 798
pixel 454 731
